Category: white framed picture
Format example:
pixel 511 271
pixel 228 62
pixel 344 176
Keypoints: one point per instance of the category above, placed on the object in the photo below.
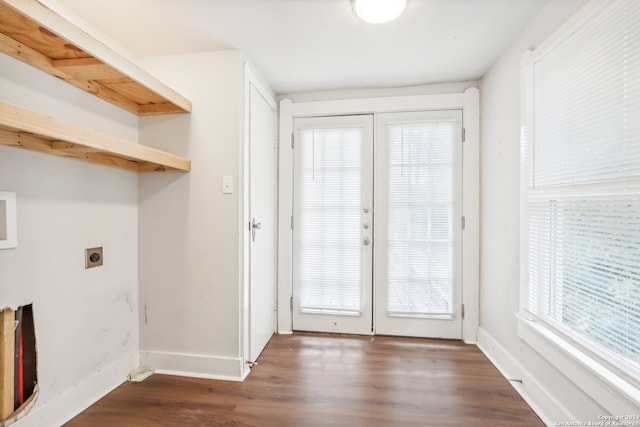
pixel 8 220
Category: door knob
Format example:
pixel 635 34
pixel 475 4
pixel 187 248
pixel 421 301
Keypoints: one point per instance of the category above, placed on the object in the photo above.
pixel 254 226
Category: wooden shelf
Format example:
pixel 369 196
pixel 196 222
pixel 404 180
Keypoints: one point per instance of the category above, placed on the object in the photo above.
pixel 23 128
pixel 34 33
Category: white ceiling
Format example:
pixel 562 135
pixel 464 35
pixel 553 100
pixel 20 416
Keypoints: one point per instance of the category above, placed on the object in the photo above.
pixel 310 45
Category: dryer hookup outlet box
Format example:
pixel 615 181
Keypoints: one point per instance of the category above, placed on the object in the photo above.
pixel 93 257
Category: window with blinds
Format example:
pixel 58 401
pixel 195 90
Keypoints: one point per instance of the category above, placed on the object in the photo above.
pixel 581 178
pixel 423 218
pixel 328 217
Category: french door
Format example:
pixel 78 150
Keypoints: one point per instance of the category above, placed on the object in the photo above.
pixel 384 261
pixel 332 224
pixel 418 224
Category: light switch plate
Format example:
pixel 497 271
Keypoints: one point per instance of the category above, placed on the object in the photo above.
pixel 227 184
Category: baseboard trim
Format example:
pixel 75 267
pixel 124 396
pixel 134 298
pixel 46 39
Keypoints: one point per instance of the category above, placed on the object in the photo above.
pixel 534 393
pixel 75 400
pixel 194 365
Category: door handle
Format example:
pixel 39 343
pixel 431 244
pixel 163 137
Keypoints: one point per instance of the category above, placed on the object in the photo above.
pixel 366 241
pixel 254 226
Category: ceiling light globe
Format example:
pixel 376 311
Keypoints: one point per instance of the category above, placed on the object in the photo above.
pixel 378 11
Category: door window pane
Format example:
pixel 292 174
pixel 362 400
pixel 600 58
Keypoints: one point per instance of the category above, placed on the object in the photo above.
pixel 422 218
pixel 328 221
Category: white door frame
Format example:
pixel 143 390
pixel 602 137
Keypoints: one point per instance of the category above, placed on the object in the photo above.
pixel 469 103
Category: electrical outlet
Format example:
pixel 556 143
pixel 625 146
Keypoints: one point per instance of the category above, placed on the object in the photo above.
pixel 93 257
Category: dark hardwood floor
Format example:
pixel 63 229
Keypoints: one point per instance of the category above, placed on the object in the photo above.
pixel 320 380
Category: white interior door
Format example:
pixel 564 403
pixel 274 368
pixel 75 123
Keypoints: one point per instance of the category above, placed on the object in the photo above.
pixel 262 213
pixel 418 224
pixel 332 224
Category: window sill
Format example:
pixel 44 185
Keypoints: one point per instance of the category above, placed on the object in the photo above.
pixel 616 394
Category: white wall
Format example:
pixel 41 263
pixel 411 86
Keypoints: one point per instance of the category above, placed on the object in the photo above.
pixel 550 391
pixel 190 254
pixel 85 320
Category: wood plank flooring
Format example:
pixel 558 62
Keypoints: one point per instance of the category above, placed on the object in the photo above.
pixel 320 380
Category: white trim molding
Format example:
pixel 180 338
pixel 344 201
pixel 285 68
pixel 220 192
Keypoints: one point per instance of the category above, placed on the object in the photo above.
pixel 285 210
pixel 578 371
pixel 75 400
pixel 531 390
pixel 468 102
pixel 615 393
pixel 194 365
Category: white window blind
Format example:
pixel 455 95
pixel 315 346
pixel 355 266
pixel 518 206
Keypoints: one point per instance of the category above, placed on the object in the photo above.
pixel 422 218
pixel 581 212
pixel 328 221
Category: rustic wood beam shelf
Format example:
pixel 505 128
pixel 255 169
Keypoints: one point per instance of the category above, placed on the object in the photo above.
pixel 33 33
pixel 38 132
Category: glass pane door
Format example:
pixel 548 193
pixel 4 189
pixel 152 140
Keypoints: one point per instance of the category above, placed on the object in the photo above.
pixel 332 224
pixel 418 224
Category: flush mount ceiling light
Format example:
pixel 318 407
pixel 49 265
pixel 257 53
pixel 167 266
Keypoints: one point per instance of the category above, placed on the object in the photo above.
pixel 378 11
